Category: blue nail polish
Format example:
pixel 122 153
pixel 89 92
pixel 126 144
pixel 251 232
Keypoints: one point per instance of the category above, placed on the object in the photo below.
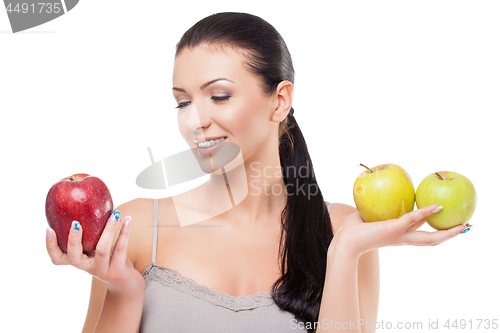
pixel 465 230
pixel 115 215
pixel 75 228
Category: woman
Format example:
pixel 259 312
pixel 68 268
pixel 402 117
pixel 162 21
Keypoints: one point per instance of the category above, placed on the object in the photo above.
pixel 273 264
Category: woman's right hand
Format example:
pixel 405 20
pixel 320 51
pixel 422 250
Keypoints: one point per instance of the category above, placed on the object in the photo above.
pixel 109 264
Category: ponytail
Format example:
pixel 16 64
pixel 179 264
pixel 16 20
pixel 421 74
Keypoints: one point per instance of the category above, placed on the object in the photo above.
pixel 306 229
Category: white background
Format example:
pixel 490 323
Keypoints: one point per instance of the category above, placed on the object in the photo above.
pixel 415 83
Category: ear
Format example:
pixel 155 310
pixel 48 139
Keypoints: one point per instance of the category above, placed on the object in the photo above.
pixel 284 96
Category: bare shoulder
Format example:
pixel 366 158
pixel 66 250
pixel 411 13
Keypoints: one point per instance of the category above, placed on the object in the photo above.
pixel 339 212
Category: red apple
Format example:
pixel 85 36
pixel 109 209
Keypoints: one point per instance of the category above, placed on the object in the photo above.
pixel 83 198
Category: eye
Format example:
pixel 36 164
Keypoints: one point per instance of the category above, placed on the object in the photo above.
pixel 182 105
pixel 220 98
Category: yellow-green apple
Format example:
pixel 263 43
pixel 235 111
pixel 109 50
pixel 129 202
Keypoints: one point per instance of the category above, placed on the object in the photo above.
pixel 83 198
pixel 384 192
pixel 454 192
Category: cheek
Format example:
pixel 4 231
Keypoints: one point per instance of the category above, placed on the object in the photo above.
pixel 182 127
pixel 249 122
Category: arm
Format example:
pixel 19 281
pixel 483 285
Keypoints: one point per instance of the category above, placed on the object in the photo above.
pixel 346 302
pixel 368 289
pixel 365 277
pixel 107 309
pixel 120 313
pixel 97 294
pixel 340 303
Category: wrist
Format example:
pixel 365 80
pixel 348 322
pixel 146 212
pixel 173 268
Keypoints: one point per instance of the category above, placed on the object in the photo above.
pixel 343 249
pixel 134 293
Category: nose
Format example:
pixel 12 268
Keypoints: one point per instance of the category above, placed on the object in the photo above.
pixel 196 119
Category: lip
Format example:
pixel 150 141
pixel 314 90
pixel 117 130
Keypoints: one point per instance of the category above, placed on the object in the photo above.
pixel 210 150
pixel 207 138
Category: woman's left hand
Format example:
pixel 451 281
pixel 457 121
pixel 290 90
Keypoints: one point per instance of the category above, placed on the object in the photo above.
pixel 361 237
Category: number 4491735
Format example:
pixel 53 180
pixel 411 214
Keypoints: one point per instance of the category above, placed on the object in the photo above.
pixel 34 8
pixel 469 324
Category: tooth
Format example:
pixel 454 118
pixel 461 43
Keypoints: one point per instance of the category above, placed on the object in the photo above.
pixel 209 143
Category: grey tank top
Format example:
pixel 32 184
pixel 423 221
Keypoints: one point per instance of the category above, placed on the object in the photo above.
pixel 175 303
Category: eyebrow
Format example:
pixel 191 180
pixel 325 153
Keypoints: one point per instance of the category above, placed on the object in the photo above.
pixel 204 85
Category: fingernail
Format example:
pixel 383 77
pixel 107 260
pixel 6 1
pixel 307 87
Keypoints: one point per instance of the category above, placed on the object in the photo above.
pixel 115 215
pixel 75 227
pixel 48 234
pixel 465 230
pixel 127 220
pixel 437 209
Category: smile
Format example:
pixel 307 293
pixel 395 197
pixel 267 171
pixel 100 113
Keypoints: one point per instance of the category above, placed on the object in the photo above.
pixel 210 143
pixel 207 148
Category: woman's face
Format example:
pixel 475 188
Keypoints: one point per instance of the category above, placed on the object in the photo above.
pixel 218 97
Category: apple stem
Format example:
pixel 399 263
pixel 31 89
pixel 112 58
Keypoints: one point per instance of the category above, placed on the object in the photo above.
pixel 71 178
pixel 439 175
pixel 366 167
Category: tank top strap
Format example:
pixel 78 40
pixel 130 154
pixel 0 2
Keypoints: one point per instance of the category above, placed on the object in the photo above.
pixel 330 206
pixel 155 231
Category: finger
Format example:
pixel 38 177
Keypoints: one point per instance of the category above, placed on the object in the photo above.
pixel 103 248
pixel 119 256
pixel 57 256
pixel 75 253
pixel 409 219
pixel 425 238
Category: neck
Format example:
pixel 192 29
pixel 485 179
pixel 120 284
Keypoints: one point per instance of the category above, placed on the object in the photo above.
pixel 256 190
pixel 248 192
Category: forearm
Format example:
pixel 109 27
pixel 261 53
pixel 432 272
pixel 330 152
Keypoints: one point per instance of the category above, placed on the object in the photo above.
pixel 339 311
pixel 120 313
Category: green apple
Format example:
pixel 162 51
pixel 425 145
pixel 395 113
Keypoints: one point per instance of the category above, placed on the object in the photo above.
pixel 451 190
pixel 383 193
